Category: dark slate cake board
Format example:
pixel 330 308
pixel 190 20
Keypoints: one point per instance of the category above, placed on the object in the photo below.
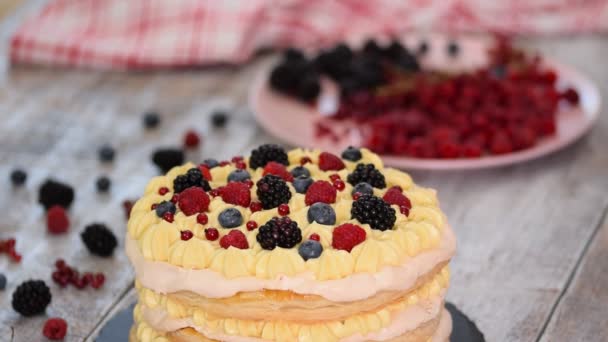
pixel 117 328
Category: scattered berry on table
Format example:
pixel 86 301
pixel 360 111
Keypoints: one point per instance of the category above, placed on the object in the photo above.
pixel 267 153
pixel 423 47
pixel 193 177
pixel 320 191
pixel 453 48
pixel 219 119
pixel 186 235
pixel 251 225
pixel 64 274
pixel 310 249
pixel 299 171
pixel 211 163
pixel 236 239
pixel 127 205
pixel 2 281
pixel 328 161
pixel 302 183
pixel 238 175
pixel 230 218
pixel 106 153
pixel 31 298
pixel 8 246
pixel 193 200
pixel 346 236
pixel 272 191
pixel 367 173
pixel 167 158
pixel 211 234
pixel 151 119
pixel 321 213
pixel 283 209
pixel 53 192
pixel 191 139
pixel 279 232
pixel 236 193
pixel 352 154
pixel 99 240
pixel 165 207
pixel 103 184
pixel 202 218
pixel 277 169
pixel 363 188
pixel 18 177
pixel 55 329
pixel 374 211
pixel 57 220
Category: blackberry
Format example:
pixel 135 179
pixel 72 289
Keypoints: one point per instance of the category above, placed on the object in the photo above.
pixel 281 232
pixel 53 192
pixel 18 177
pixel 367 173
pixel 293 54
pixel 151 119
pixel 374 211
pixel 193 177
pixel 99 239
pixel 371 48
pixel 272 191
pixel 219 118
pixel 335 62
pixel 31 298
pixel 309 87
pixel 288 75
pixel 267 153
pixel 168 158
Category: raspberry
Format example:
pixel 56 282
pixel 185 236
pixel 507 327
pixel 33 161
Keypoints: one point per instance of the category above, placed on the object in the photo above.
pixel 191 139
pixel 267 153
pixel 235 238
pixel 367 173
pixel 346 236
pixel 328 161
pixel 501 144
pixel 281 232
pixel 277 169
pixel 236 193
pixel 205 172
pixel 320 191
pixel 57 220
pixel 211 234
pixel 395 196
pixel 255 206
pixel 186 235
pixel 373 211
pixel 193 200
pixel 55 329
pixel 272 191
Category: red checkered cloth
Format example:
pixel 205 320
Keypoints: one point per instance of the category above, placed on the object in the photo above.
pixel 119 34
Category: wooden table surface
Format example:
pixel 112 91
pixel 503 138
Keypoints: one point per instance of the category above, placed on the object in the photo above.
pixel 532 263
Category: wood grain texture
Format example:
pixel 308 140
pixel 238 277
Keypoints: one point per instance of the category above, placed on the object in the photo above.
pixel 521 229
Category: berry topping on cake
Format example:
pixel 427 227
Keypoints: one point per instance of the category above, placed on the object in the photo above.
pixel 320 191
pixel 367 173
pixel 219 118
pixel 300 171
pixel 328 161
pixel 202 219
pixel 301 184
pixel 186 235
pixel 251 225
pixel 31 298
pixel 281 232
pixel 238 175
pixel 305 160
pixel 277 169
pixel 103 184
pixel 193 177
pixel 236 239
pixel 230 218
pixel 267 153
pixel 18 177
pixel 310 249
pixel 283 209
pixel 255 206
pixel 211 163
pixel 193 200
pixel 347 236
pixel 395 196
pixel 363 188
pixel 106 153
pixel 272 191
pixel 151 119
pixel 321 213
pixel 191 139
pixel 373 211
pixel 205 171
pixel 99 239
pixel 53 193
pixel 163 190
pixel 211 234
pixel 339 184
pixel 169 217
pixel 236 193
pixel 315 236
pixel 57 220
pixel 167 158
pixel 55 329
pixel 165 207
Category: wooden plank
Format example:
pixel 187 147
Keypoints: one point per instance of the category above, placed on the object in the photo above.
pixel 582 314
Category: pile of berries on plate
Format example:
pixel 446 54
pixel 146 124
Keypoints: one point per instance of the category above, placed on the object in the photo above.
pixel 401 109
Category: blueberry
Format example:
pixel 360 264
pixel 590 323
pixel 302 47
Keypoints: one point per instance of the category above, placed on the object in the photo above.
pixel 453 48
pixel 301 184
pixel 219 119
pixel 310 249
pixel 352 154
pixel 321 213
pixel 230 218
pixel 163 207
pixel 151 119
pixel 363 188
pixel 106 153
pixel 211 163
pixel 2 281
pixel 18 177
pixel 103 184
pixel 300 171
pixel 238 175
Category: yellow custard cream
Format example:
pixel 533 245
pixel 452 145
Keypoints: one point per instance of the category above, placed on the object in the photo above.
pixel 344 229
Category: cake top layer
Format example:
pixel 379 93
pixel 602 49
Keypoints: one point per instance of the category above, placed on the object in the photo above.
pixel 279 213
